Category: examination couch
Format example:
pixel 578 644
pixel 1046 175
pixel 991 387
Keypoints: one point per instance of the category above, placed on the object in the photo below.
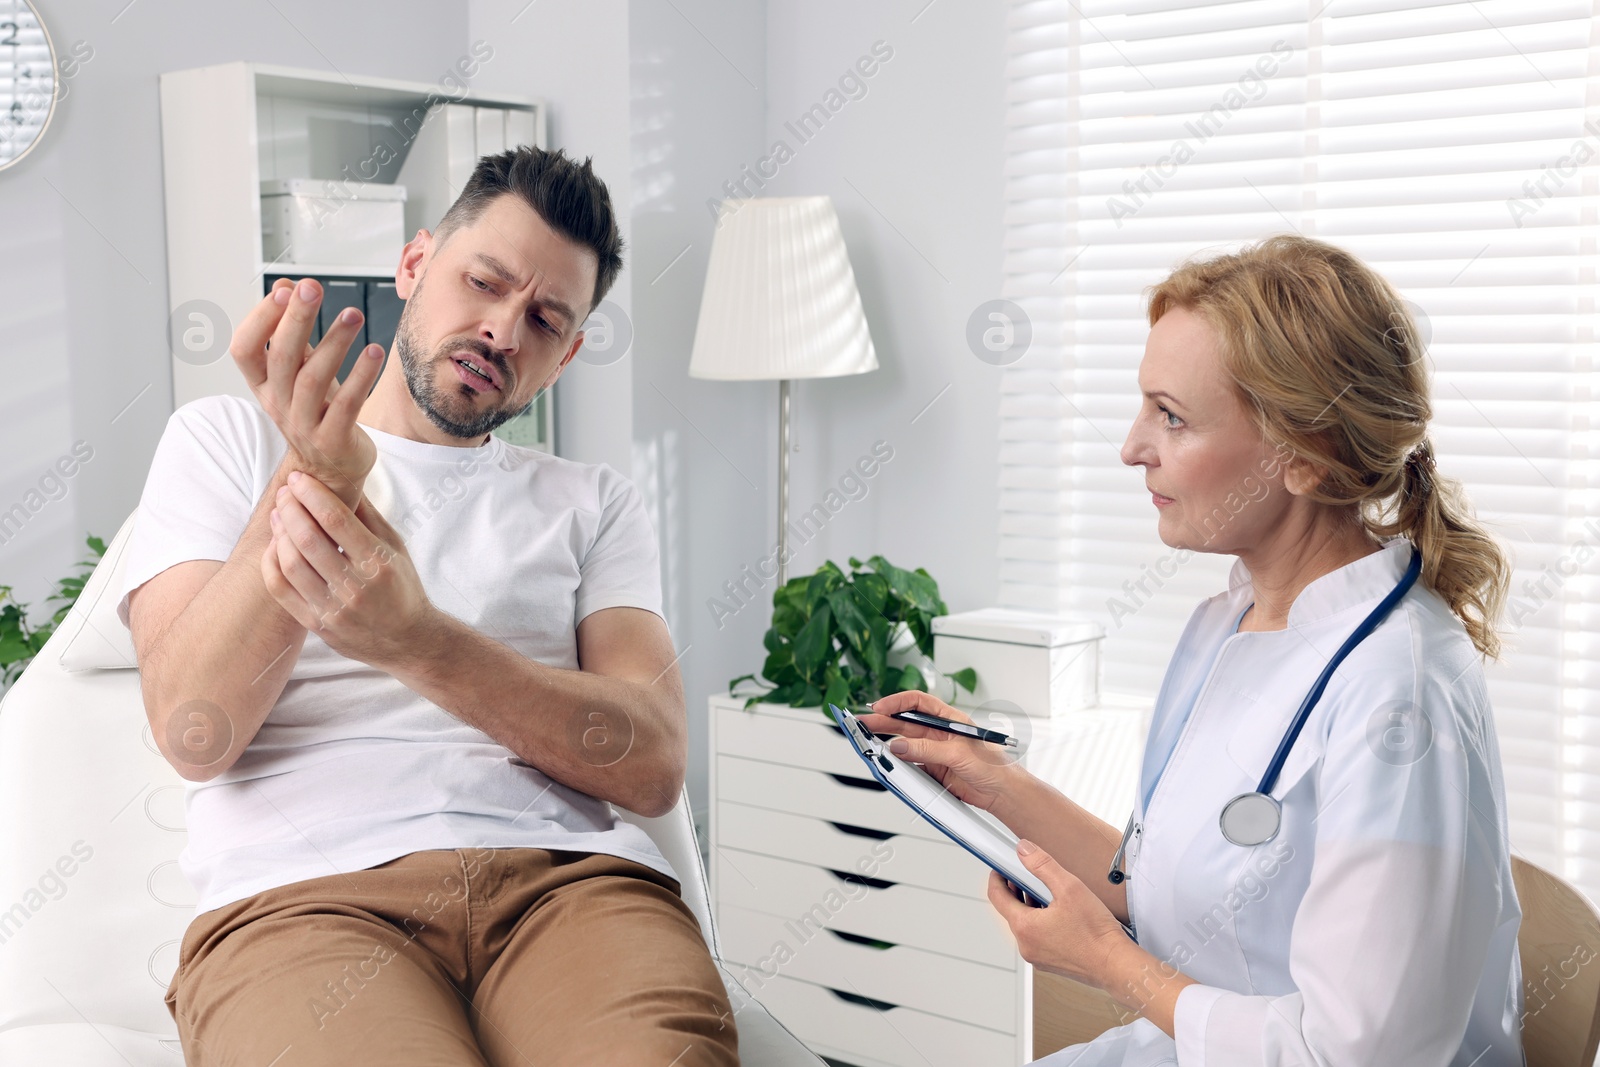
pixel 93 905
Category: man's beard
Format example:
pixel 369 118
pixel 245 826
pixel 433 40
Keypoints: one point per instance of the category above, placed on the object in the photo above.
pixel 437 403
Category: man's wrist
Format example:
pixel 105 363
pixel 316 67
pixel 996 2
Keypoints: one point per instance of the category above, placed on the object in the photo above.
pixel 422 647
pixel 342 485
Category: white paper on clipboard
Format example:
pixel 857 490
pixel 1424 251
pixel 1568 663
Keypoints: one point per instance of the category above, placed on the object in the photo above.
pixel 986 839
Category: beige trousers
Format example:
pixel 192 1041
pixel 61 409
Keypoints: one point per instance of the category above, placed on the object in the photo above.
pixel 488 957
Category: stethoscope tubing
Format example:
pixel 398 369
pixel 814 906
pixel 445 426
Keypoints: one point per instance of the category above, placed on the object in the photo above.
pixel 1359 634
pixel 1275 767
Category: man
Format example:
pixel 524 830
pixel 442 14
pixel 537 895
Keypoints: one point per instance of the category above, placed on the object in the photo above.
pixel 400 746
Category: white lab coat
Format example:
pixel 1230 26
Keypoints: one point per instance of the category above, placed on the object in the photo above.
pixel 1380 926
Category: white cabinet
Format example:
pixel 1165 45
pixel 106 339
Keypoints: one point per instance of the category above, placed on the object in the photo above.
pixel 861 927
pixel 228 128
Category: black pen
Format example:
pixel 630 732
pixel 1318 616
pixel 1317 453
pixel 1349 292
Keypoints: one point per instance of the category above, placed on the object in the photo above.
pixel 952 726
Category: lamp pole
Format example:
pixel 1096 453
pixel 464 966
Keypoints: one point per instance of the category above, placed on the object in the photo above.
pixel 783 481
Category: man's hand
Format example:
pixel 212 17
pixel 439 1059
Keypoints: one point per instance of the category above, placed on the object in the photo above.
pixel 296 385
pixel 366 602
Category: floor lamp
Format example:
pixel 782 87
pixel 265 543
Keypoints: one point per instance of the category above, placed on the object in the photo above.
pixel 780 303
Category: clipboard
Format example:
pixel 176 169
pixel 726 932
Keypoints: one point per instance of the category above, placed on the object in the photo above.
pixel 986 839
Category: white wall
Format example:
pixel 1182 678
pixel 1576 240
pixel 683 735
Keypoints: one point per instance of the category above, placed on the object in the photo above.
pixel 703 448
pixel 575 56
pixel 82 248
pixel 914 169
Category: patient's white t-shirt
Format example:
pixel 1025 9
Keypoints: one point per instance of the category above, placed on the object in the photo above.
pixel 351 768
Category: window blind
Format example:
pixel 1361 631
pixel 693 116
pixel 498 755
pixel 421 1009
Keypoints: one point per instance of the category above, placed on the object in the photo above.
pixel 1452 146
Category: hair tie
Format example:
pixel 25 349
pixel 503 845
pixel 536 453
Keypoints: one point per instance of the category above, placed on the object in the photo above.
pixel 1419 461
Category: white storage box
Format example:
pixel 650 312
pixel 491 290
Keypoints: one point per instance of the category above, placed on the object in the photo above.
pixel 306 220
pixel 1047 665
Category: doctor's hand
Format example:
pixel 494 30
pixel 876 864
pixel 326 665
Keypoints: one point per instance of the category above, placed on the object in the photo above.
pixel 367 601
pixel 1075 936
pixel 977 772
pixel 297 385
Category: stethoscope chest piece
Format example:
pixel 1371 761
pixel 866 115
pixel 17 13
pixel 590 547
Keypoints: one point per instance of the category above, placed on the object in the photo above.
pixel 1251 819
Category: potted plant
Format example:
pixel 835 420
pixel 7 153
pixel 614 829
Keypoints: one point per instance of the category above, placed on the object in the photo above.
pixel 18 642
pixel 848 639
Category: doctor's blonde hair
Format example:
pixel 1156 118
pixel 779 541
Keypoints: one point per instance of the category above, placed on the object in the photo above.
pixel 1327 359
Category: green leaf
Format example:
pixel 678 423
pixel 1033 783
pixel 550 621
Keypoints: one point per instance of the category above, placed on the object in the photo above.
pixel 917 589
pixel 911 678
pixel 921 627
pixel 814 644
pixel 828 578
pixel 742 678
pixel 852 623
pixel 876 655
pixel 966 678
pixel 13 647
pixel 837 690
pixel 922 572
pixel 810 698
pixel 874 592
pixel 779 669
pixel 789 606
pixel 785 694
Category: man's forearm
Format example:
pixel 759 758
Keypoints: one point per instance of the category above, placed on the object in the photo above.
pixel 212 677
pixel 613 739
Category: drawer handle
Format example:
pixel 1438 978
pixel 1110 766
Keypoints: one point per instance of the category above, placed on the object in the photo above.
pixel 857 998
pixel 860 831
pixel 857 783
pixel 857 939
pixel 861 879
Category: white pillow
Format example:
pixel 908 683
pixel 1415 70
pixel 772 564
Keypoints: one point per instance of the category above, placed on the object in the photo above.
pixel 95 638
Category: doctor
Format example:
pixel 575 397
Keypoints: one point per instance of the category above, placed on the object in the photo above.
pixel 1356 908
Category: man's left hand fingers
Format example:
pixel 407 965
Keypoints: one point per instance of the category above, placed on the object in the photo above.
pixel 314 590
pixel 341 525
pixel 304 532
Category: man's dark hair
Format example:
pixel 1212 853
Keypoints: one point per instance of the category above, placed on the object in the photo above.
pixel 568 196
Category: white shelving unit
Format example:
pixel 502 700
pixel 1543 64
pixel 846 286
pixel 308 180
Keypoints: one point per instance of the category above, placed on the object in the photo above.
pixel 226 128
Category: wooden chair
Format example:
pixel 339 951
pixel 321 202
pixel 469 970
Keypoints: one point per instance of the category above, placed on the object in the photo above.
pixel 1560 948
pixel 1559 943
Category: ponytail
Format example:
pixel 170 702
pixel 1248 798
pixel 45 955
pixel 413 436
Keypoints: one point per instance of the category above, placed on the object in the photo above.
pixel 1460 561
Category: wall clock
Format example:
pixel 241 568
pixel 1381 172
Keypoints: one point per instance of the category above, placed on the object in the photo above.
pixel 27 80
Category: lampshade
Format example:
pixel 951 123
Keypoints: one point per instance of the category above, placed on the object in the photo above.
pixel 780 298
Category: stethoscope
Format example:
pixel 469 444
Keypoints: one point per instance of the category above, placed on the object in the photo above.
pixel 1253 818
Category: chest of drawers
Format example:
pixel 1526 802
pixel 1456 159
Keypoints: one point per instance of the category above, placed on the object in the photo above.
pixel 861 927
